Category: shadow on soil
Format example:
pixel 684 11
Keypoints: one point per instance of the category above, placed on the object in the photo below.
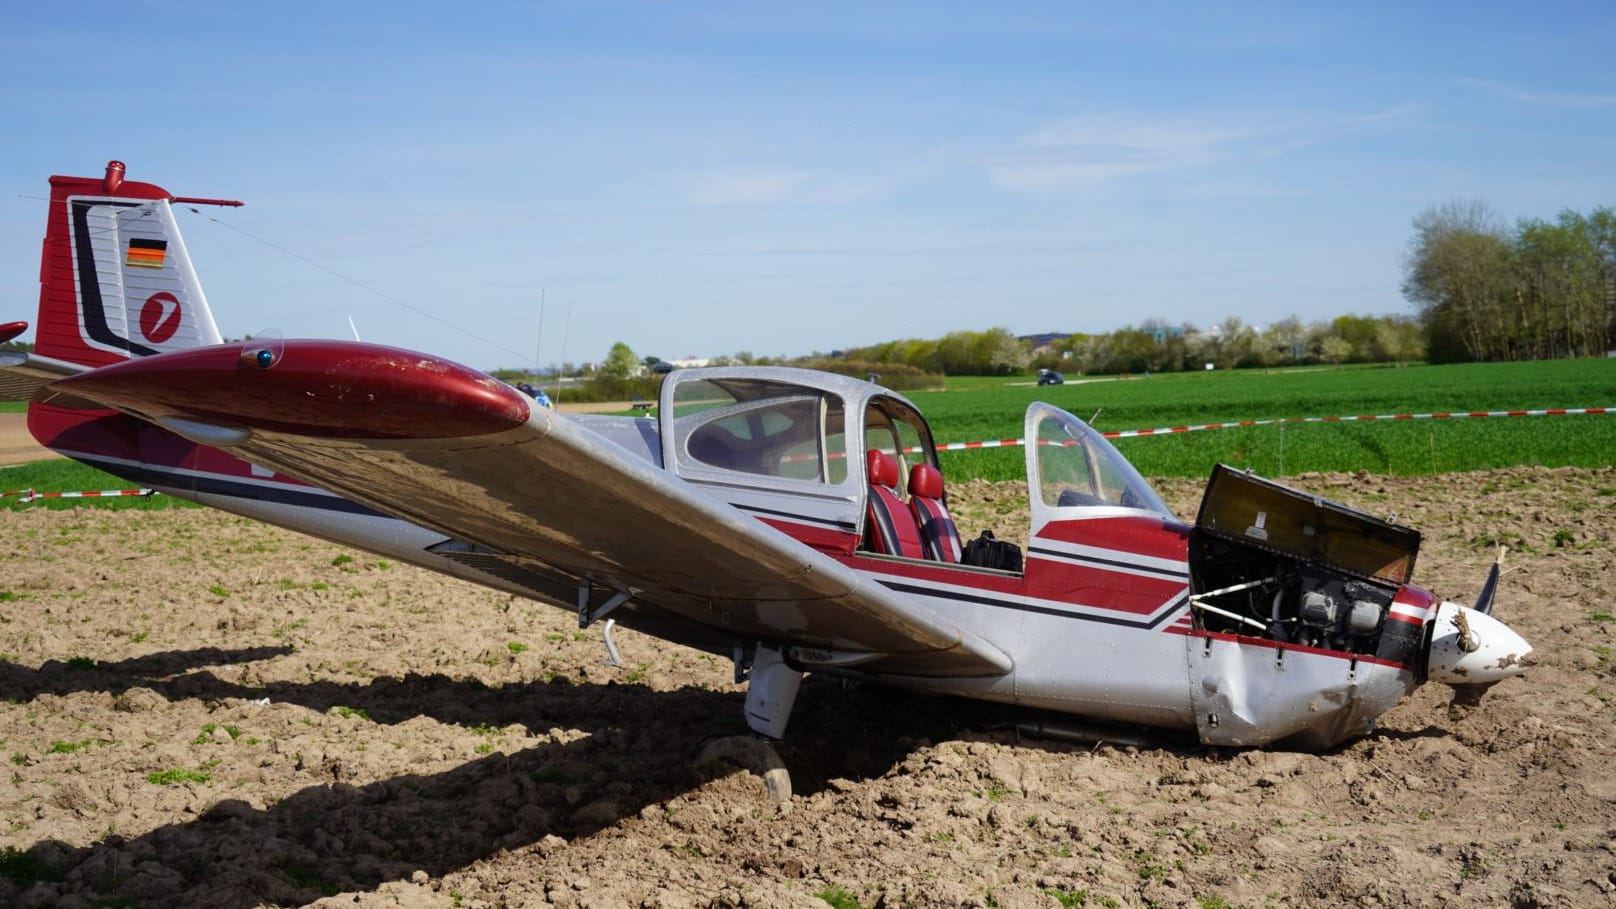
pixel 627 747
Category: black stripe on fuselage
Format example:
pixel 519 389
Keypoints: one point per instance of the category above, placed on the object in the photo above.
pixel 1109 563
pixel 792 516
pixel 90 302
pixel 1147 624
pixel 275 494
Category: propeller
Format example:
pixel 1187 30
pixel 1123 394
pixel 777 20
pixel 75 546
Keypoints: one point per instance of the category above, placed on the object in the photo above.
pixel 1472 651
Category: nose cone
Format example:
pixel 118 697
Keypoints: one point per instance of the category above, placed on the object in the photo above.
pixel 1473 648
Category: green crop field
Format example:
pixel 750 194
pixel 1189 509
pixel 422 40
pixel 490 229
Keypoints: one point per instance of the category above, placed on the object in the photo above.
pixel 981 410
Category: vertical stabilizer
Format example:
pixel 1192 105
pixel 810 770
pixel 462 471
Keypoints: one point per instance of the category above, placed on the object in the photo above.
pixel 115 279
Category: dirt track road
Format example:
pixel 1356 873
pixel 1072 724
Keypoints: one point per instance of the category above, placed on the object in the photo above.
pixel 16 445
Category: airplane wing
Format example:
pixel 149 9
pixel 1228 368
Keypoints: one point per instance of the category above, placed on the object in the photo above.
pixel 448 448
pixel 23 374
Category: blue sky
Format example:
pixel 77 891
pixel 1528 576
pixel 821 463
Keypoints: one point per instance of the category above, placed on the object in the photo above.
pixel 697 179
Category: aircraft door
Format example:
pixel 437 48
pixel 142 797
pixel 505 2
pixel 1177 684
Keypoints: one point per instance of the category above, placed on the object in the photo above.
pixel 1073 472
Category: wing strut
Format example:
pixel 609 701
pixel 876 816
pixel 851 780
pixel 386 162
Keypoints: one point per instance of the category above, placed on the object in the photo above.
pixel 588 615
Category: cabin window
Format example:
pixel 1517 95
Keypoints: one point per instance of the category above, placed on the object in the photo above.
pixel 895 429
pixel 763 428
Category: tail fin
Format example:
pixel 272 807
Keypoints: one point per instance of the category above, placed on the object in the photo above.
pixel 115 279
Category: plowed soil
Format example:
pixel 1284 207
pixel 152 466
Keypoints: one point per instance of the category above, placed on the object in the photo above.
pixel 202 711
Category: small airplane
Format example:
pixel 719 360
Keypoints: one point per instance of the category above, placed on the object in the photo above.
pixel 791 520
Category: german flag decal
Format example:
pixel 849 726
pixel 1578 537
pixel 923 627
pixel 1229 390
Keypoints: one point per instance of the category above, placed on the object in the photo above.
pixel 146 253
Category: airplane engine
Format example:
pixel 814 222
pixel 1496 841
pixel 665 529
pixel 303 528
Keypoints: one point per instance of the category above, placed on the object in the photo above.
pixel 1304 624
pixel 1272 562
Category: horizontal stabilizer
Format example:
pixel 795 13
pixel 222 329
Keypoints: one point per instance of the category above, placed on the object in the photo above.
pixel 24 375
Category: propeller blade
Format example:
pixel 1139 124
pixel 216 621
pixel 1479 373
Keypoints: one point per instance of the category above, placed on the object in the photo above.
pixel 1484 600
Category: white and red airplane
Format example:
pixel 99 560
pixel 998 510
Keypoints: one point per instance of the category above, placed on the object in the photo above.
pixel 792 520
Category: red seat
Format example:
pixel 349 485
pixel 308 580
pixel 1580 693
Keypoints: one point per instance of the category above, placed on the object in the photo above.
pixel 938 535
pixel 891 527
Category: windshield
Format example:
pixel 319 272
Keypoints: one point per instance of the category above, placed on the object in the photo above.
pixel 1077 467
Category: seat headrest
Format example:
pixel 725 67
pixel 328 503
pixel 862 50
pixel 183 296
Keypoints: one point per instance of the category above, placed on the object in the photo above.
pixel 925 481
pixel 882 469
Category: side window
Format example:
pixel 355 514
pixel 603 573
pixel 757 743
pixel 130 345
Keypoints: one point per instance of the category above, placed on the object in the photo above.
pixel 762 428
pixel 695 397
pixel 895 429
pixel 836 443
pixel 773 438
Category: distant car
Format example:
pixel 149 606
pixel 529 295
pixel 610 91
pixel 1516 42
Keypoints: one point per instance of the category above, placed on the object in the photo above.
pixel 1050 377
pixel 537 394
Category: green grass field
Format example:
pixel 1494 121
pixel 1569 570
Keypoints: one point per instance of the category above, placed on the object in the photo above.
pixel 981 408
pixel 70 476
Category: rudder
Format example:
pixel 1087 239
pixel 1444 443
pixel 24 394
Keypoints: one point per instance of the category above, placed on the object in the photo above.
pixel 115 279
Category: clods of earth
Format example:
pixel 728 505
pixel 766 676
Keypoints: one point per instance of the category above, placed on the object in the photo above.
pixel 203 711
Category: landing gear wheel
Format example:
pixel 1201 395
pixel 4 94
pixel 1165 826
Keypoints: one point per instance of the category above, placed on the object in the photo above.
pixel 757 756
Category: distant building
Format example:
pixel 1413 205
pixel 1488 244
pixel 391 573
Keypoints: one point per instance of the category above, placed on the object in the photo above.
pixel 1045 341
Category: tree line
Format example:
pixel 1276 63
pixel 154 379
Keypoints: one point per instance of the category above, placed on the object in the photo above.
pixel 1537 290
pixel 1482 291
pixel 1160 346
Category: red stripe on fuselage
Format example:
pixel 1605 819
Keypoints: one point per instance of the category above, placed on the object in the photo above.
pixel 1099 587
pixel 1054 583
pixel 1154 537
pixel 1079 581
pixel 1414 598
pixel 824 539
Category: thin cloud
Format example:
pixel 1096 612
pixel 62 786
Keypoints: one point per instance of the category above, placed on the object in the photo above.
pixel 768 185
pixel 742 186
pixel 1083 152
pixel 1567 100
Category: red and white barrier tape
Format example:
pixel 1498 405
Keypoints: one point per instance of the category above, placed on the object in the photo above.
pixel 1365 418
pixel 29 495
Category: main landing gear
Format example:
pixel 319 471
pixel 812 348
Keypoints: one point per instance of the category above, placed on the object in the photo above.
pixel 770 693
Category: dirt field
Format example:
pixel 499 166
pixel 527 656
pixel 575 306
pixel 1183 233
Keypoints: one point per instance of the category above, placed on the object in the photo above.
pixel 201 711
